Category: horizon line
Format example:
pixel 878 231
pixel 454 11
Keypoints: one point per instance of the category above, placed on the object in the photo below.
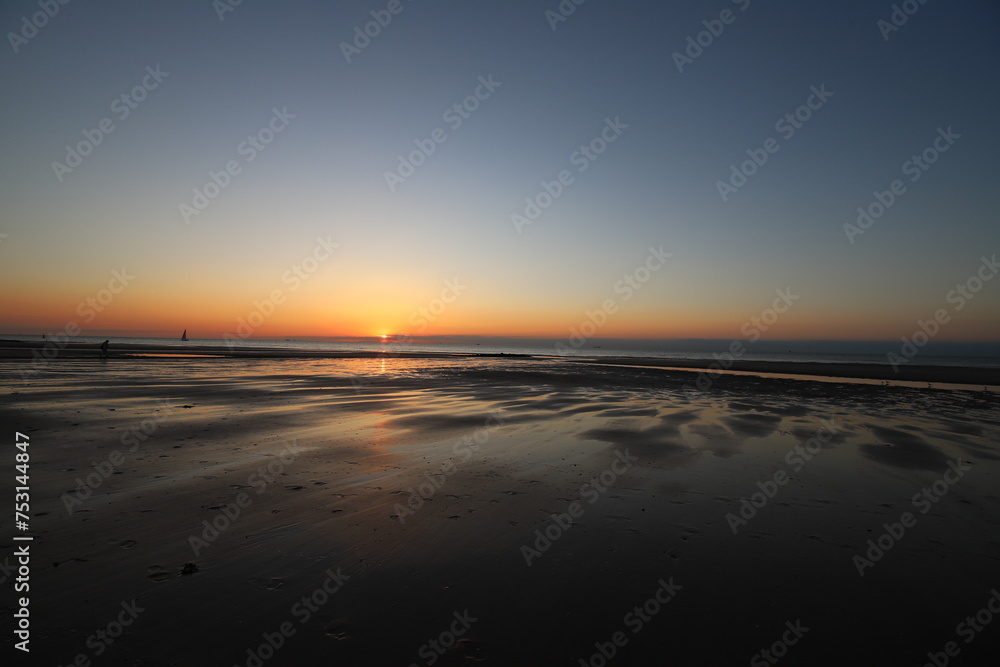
pixel 394 338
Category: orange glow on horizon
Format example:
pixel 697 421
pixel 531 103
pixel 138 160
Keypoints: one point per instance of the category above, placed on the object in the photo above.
pixel 377 313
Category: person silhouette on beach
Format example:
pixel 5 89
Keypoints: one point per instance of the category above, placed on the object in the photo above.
pixel 104 348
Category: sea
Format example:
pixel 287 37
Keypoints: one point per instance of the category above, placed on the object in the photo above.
pixel 932 353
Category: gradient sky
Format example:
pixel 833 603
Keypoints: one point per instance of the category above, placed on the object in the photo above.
pixel 324 174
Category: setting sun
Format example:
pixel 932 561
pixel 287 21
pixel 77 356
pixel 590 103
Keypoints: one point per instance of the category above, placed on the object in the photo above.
pixel 514 333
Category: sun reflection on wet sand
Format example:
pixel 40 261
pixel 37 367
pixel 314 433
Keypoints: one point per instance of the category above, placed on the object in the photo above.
pixel 425 480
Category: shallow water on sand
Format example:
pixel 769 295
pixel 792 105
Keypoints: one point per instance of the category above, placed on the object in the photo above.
pixel 440 486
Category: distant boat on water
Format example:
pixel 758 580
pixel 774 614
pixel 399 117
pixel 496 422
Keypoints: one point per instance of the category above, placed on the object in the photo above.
pixel 184 336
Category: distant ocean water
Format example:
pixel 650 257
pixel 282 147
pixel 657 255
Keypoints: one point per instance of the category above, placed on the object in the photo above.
pixel 978 355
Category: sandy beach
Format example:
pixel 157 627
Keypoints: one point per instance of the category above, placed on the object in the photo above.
pixel 971 377
pixel 451 511
pixel 500 334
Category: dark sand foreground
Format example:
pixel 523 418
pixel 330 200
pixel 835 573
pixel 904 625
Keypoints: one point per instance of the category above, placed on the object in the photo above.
pixel 388 510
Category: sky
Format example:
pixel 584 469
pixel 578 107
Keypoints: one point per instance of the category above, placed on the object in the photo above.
pixel 627 123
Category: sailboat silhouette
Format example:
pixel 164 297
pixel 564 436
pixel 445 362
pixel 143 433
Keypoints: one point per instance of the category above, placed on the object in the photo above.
pixel 184 336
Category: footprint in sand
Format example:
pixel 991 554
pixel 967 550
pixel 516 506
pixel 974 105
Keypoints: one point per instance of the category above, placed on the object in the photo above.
pixel 157 573
pixel 337 629
pixel 471 650
pixel 127 544
pixel 268 584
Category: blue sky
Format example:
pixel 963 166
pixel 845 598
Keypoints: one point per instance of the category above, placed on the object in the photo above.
pixel 324 174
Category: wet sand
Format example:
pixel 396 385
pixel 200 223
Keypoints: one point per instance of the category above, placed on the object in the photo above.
pixel 905 373
pixel 420 489
pixel 953 375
